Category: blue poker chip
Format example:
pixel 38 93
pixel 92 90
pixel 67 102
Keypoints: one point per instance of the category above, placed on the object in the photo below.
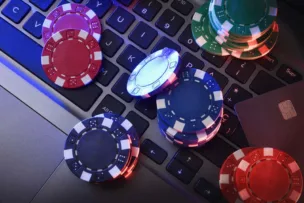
pixel 127 127
pixel 190 139
pixel 169 139
pixel 154 73
pixel 96 150
pixel 192 103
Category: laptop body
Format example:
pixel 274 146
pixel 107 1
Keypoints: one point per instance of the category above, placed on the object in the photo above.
pixel 22 79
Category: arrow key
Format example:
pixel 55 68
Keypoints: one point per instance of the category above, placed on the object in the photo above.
pixel 190 160
pixel 180 171
pixel 153 151
pixel 34 23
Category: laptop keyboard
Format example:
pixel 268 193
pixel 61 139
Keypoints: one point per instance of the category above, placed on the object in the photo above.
pixel 233 75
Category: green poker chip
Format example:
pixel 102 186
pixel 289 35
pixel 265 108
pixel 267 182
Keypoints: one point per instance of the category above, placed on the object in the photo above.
pixel 245 18
pixel 200 27
pixel 262 50
pixel 243 46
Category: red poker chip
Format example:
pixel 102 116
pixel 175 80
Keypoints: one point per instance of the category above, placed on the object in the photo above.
pixel 71 58
pixel 227 172
pixel 269 175
pixel 71 16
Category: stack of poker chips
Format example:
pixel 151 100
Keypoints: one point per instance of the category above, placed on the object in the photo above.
pixel 189 101
pixel 190 111
pixel 102 148
pixel 261 175
pixel 71 57
pixel 243 29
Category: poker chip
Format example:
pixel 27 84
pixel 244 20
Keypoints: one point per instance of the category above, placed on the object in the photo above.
pixel 154 73
pixel 71 16
pixel 192 103
pixel 220 28
pixel 262 50
pixel 127 127
pixel 71 58
pixel 227 176
pixel 200 27
pixel 241 46
pixel 190 139
pixel 268 175
pixel 245 18
pixel 162 132
pixel 96 150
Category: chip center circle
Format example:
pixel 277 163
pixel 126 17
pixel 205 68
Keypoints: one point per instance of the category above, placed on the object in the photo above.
pixel 269 180
pixel 245 12
pixel 97 149
pixel 182 96
pixel 152 71
pixel 71 58
pixel 71 20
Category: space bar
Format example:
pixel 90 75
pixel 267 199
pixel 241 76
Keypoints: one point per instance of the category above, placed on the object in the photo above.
pixel 27 53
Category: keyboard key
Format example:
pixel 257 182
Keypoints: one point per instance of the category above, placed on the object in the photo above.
pixel 221 79
pixel 180 171
pixel 229 123
pixel 239 137
pixel 182 6
pixel 140 124
pixel 268 62
pixel 288 74
pixel 125 2
pixel 110 43
pixel 153 151
pixel 16 10
pixel 28 54
pixel 63 2
pixel 187 40
pixel 109 71
pixel 100 7
pixel 235 95
pixel 188 159
pixel 217 150
pixel 147 107
pixel 169 22
pixel 208 191
pixel 190 61
pixel 33 25
pixel 143 35
pixel 165 42
pixel 147 9
pixel 264 82
pixel 121 20
pixel 43 5
pixel 240 70
pixel 215 60
pixel 120 88
pixel 109 105
pixel 130 58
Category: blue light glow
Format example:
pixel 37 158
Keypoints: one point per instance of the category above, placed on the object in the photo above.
pixel 32 82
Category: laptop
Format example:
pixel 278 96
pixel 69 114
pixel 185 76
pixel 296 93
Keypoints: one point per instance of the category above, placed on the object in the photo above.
pixel 36 115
